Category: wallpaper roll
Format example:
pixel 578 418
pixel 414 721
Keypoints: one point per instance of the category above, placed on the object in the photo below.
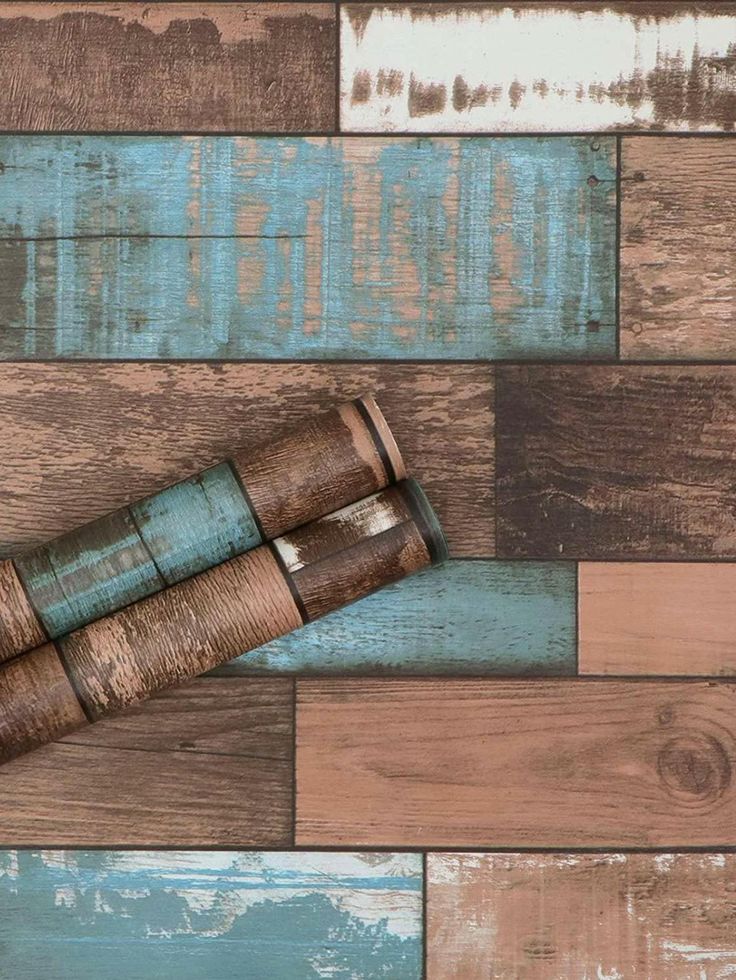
pixel 258 494
pixel 210 618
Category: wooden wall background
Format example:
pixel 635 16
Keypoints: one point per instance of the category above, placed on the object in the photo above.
pixel 514 224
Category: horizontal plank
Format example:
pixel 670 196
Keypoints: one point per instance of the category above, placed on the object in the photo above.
pixel 539 66
pixel 152 247
pixel 578 915
pixel 616 462
pixel 467 617
pixel 102 915
pixel 209 763
pixel 81 440
pixel 658 618
pixel 678 224
pixel 478 763
pixel 167 66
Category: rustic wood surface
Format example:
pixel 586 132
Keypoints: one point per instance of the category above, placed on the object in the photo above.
pixel 678 213
pixel 207 764
pixel 554 67
pixel 565 916
pixel 103 915
pixel 482 763
pixel 616 461
pixel 82 440
pixel 166 67
pixel 20 628
pixel 660 618
pixel 306 248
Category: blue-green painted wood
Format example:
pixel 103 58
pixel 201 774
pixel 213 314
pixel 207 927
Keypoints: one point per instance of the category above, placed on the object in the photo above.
pixel 112 915
pixel 466 617
pixel 121 247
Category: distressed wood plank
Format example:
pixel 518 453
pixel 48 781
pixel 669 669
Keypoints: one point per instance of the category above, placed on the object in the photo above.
pixel 624 461
pixel 559 916
pixel 540 67
pixel 562 763
pixel 81 440
pixel 678 214
pixel 102 915
pixel 207 763
pixel 470 617
pixel 660 618
pixel 306 248
pixel 166 67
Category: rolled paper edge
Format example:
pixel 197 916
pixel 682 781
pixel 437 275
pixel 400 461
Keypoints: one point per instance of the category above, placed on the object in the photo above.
pixel 383 437
pixel 426 520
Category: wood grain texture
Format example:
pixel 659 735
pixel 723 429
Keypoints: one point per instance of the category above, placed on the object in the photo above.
pixel 82 440
pixel 306 248
pixel 492 67
pixel 563 916
pixel 616 462
pixel 167 66
pixel 20 628
pixel 660 618
pixel 467 617
pixel 678 214
pixel 481 763
pixel 207 764
pixel 228 915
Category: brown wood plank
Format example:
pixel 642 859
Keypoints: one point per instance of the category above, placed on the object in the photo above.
pixel 208 763
pixel 80 440
pixel 484 763
pixel 678 263
pixel 565 916
pixel 624 461
pixel 165 67
pixel 657 618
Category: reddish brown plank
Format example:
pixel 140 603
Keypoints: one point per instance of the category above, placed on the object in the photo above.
pixel 536 763
pixel 165 67
pixel 209 763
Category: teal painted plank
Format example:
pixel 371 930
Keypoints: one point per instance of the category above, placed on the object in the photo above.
pixel 128 247
pixel 467 617
pixel 108 915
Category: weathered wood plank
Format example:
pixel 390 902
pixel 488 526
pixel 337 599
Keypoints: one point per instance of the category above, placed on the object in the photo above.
pixel 306 248
pixel 208 763
pixel 102 915
pixel 552 67
pixel 81 440
pixel 166 67
pixel 467 617
pixel 562 763
pixel 544 916
pixel 678 215
pixel 616 462
pixel 660 618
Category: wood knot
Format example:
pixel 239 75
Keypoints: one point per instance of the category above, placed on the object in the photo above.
pixel 593 181
pixel 694 768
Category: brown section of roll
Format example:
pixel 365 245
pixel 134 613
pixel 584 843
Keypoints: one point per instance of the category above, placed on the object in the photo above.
pixel 20 628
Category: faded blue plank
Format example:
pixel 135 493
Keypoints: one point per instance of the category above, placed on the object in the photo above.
pixel 307 247
pixel 466 617
pixel 108 915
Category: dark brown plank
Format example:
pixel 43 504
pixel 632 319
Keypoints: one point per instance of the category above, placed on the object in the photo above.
pixel 616 462
pixel 209 763
pixel 164 67
pixel 480 763
pixel 81 440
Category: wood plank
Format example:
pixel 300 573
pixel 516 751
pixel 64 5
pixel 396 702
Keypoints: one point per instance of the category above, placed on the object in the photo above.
pixel 467 617
pixel 306 248
pixel 81 440
pixel 563 763
pixel 543 916
pixel 678 223
pixel 103 915
pixel 167 67
pixel 624 461
pixel 209 763
pixel 537 66
pixel 660 618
